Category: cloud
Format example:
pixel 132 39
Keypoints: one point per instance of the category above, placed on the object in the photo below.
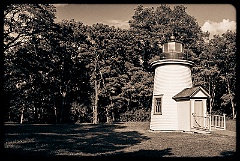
pixel 59 5
pixel 118 23
pixel 218 28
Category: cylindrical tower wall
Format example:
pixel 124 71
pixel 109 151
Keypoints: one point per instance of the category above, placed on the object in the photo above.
pixel 170 78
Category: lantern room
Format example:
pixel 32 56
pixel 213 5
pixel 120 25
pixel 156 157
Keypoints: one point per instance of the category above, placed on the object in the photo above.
pixel 173 50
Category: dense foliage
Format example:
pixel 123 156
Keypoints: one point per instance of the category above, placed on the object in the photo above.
pixel 67 72
pixel 216 71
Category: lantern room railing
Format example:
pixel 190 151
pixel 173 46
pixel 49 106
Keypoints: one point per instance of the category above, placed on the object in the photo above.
pixel 180 56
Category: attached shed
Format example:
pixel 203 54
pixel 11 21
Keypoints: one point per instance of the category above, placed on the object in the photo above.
pixel 192 108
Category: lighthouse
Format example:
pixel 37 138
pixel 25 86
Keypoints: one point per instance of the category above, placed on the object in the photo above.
pixel 174 96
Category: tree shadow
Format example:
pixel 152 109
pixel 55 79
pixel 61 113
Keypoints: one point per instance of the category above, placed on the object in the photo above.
pixel 228 153
pixel 146 153
pixel 141 154
pixel 68 139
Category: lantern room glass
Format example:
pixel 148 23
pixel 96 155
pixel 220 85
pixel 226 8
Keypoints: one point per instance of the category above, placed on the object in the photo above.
pixel 173 50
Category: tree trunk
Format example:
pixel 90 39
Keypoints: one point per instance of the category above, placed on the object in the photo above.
pixel 35 116
pixel 61 116
pixel 107 109
pixel 108 116
pixel 113 117
pixel 210 92
pixel 9 116
pixel 64 93
pixel 95 107
pixel 21 118
pixel 231 100
pixel 55 112
pixel 54 105
pixel 213 97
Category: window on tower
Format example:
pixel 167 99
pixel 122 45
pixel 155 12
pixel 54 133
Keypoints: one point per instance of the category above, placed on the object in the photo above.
pixel 158 105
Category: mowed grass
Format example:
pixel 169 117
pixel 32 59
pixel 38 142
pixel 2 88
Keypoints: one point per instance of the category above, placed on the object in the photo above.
pixel 129 139
pixel 231 125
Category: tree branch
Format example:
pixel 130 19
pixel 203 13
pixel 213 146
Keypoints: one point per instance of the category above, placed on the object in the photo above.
pixel 8 45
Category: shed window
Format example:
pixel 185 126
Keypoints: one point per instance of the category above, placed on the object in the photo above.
pixel 158 105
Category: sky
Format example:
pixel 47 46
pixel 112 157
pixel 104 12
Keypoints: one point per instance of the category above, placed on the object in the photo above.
pixel 214 18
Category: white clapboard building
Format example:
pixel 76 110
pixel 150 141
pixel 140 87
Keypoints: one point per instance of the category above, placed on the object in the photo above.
pixel 176 104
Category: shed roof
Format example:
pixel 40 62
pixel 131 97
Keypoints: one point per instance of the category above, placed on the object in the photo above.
pixel 188 93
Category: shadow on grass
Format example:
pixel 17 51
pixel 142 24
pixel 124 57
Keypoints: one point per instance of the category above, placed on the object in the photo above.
pixel 73 139
pixel 228 153
pixel 141 154
pixel 147 153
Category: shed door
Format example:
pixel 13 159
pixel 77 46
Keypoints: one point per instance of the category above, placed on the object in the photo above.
pixel 198 107
pixel 198 110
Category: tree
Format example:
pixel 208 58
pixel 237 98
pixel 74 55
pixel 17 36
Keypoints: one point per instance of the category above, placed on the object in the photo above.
pixel 69 66
pixel 227 62
pixel 206 72
pixel 162 22
pixel 24 29
pixel 21 21
pixel 109 50
pixel 216 70
pixel 104 65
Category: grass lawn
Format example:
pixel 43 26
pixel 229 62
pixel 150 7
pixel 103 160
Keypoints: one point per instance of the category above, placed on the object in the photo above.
pixel 130 139
pixel 231 125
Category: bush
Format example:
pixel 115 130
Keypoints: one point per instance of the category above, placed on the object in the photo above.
pixel 135 116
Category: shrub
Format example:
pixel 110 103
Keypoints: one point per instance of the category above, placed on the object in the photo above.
pixel 139 115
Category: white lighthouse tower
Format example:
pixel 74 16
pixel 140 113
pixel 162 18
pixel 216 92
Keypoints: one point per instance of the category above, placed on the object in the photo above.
pixel 172 75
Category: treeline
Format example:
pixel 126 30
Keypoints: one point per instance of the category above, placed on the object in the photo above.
pixel 67 72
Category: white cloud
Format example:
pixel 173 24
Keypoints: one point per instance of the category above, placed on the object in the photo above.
pixel 59 5
pixel 218 28
pixel 118 23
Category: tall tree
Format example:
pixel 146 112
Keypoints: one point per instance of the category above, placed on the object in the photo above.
pixel 26 26
pixel 68 70
pixel 105 63
pixel 226 47
pixel 216 70
pixel 157 25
